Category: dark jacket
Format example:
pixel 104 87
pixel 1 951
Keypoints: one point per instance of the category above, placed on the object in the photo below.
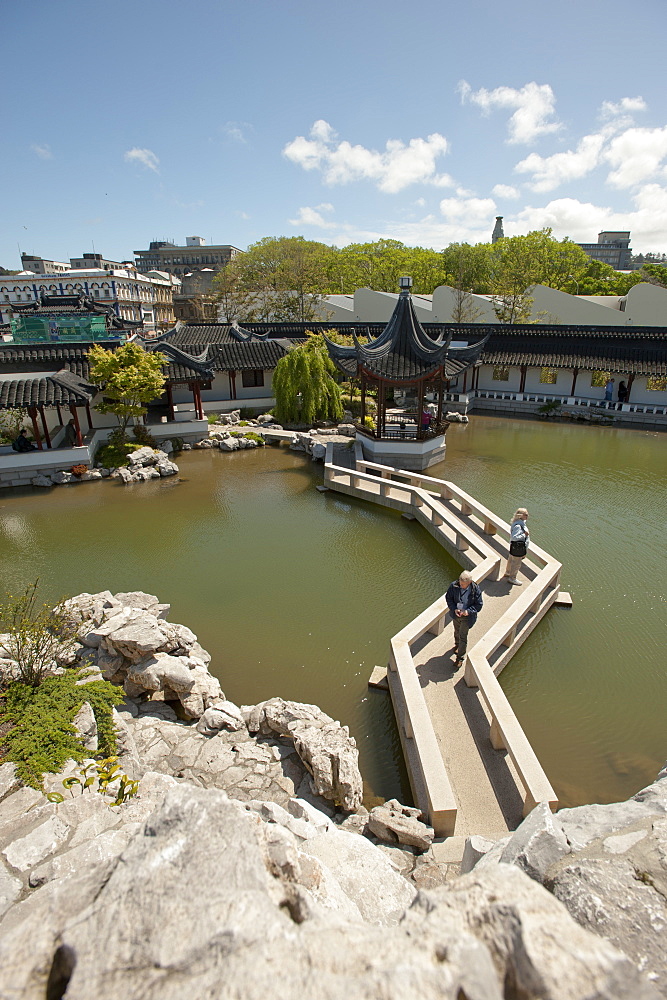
pixel 453 596
pixel 22 444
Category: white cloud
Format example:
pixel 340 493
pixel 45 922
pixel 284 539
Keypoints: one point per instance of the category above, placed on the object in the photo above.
pixel 144 156
pixel 551 171
pixel 394 169
pixel 637 155
pixel 238 131
pixel 626 106
pixel 420 202
pixel 313 217
pixel 505 191
pixel 43 151
pixel 534 104
pixel 581 221
pixel 471 211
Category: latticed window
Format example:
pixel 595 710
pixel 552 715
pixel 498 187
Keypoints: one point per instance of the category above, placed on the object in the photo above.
pixel 599 379
pixel 252 379
pixel 657 382
pixel 501 374
pixel 548 376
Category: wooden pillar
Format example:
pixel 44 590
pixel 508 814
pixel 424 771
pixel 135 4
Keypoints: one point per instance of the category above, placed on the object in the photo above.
pixel 420 409
pixel 170 401
pixel 363 398
pixel 630 381
pixel 465 380
pixel 32 410
pixel 575 372
pixel 440 395
pixel 522 382
pixel 232 384
pixel 199 406
pixel 60 416
pixel 47 438
pixel 89 417
pixel 379 417
pixel 77 427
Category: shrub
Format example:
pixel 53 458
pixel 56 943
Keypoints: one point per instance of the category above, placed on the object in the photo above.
pixel 251 436
pixel 112 456
pixel 41 737
pixel 143 436
pixel 177 444
pixel 212 418
pixel 36 634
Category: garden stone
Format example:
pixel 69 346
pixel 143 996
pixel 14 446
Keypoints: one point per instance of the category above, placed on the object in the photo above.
pixel 394 822
pixel 101 848
pixel 187 446
pixel 347 430
pixel 42 481
pixel 204 444
pixel 8 780
pixel 10 888
pixel 229 444
pixel 37 845
pixel 224 715
pixel 86 477
pixel 105 473
pixel 143 602
pixel 142 456
pixel 161 671
pixel 537 843
pixel 166 468
pixel 62 477
pixel 84 722
pixel 318 451
pixel 475 848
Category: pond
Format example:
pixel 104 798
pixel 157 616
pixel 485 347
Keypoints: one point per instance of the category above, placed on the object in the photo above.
pixel 296 593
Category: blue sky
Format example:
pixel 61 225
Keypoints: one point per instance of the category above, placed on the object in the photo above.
pixel 343 122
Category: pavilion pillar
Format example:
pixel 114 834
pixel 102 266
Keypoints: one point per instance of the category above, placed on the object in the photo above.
pixel 379 416
pixel 440 395
pixel 47 437
pixel 363 398
pixel 420 409
pixel 465 380
pixel 32 411
pixel 575 372
pixel 522 382
pixel 89 417
pixel 77 427
pixel 630 381
pixel 170 401
pixel 198 403
pixel 232 384
pixel 60 416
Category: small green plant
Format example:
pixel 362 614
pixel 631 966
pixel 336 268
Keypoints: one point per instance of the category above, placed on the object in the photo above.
pixel 143 436
pixel 40 736
pixel 243 423
pixel 369 423
pixel 236 434
pixel 104 774
pixel 550 409
pixel 112 456
pixel 177 444
pixel 37 634
pixel 251 436
pixel 212 418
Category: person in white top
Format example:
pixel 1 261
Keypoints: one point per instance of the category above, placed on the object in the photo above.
pixel 519 541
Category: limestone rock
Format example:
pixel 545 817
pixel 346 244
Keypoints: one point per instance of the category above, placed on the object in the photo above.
pixel 84 722
pixel 161 671
pixel 10 888
pixel 318 451
pixel 537 843
pixel 8 780
pixel 347 430
pixel 324 746
pixel 229 444
pixel 62 478
pixel 166 468
pixel 397 823
pixel 43 481
pixel 475 848
pixel 38 844
pixel 224 715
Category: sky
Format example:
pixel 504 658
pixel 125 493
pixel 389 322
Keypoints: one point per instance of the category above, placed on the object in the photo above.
pixel 349 122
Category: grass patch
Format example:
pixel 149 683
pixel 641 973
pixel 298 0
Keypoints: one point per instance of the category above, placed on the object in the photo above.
pixel 112 456
pixel 251 436
pixel 37 722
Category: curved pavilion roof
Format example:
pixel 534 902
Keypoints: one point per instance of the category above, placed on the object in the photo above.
pixel 404 352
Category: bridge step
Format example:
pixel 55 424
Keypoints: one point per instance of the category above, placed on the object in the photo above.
pixel 564 600
pixel 378 679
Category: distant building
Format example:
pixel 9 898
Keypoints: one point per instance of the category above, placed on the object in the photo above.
pixel 39 265
pixel 611 248
pixel 498 233
pixel 144 300
pixel 163 255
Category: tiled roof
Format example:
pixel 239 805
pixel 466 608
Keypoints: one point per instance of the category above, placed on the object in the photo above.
pixel 63 388
pixel 641 355
pixel 238 356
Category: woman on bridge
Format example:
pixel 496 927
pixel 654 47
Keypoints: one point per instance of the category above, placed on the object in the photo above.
pixel 519 539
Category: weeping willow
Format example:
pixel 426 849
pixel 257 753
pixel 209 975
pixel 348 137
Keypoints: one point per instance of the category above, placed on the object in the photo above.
pixel 303 385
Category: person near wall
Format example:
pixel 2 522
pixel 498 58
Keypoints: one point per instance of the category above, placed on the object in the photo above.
pixel 21 443
pixel 609 390
pixel 519 540
pixel 426 419
pixel 622 392
pixel 464 600
pixel 70 434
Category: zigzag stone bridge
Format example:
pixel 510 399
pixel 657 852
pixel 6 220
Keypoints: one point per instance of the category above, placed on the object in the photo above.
pixel 471 766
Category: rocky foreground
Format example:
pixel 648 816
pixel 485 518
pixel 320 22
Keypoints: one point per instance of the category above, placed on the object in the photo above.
pixel 245 865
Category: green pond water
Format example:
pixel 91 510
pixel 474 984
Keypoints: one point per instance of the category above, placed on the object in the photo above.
pixel 296 593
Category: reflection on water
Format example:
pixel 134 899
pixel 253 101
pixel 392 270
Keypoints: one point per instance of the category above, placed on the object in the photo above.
pixel 296 593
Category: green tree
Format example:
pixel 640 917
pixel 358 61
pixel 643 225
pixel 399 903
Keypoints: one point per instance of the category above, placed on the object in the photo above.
pixel 468 267
pixel 304 385
pixel 130 377
pixel 656 274
pixel 36 635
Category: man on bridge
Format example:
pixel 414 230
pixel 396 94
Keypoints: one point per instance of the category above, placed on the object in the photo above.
pixel 464 600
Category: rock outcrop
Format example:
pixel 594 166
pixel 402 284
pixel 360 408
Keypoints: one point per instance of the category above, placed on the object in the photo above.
pixel 184 892
pixel 607 864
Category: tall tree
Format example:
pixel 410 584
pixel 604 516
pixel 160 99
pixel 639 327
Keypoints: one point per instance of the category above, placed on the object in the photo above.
pixel 130 377
pixel 304 386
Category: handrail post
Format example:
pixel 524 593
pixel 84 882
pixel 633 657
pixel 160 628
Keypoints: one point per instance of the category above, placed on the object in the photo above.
pixel 461 543
pixel 465 508
pixel 496 737
pixel 490 528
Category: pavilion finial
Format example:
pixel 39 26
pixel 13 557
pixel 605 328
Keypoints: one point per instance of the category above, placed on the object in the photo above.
pixel 405 284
